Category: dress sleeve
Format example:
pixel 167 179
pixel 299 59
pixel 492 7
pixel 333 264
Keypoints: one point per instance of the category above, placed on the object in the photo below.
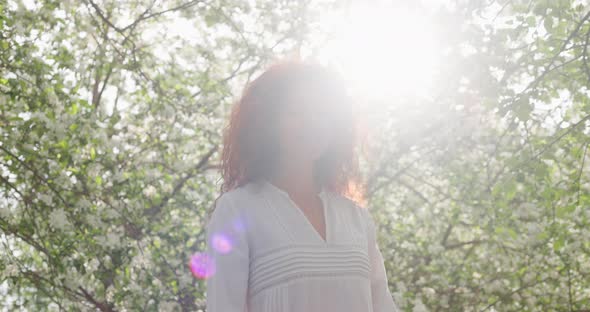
pixel 227 245
pixel 380 293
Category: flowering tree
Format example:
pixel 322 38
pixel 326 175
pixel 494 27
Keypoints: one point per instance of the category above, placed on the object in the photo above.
pixel 111 117
pixel 485 207
pixel 110 128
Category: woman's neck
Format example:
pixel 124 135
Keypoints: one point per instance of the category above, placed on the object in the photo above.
pixel 297 180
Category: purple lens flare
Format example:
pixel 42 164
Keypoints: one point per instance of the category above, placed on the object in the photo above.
pixel 221 243
pixel 202 265
pixel 238 225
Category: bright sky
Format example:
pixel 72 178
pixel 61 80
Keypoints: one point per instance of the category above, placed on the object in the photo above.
pixel 387 51
pixel 384 50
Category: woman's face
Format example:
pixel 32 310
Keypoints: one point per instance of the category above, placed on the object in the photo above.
pixel 306 125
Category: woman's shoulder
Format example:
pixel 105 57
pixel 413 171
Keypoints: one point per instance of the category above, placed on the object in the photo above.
pixel 241 197
pixel 234 204
pixel 348 205
pixel 240 191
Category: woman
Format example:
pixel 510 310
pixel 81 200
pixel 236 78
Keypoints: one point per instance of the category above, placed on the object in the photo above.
pixel 287 232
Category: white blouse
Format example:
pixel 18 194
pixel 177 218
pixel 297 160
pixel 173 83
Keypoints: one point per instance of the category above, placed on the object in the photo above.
pixel 267 256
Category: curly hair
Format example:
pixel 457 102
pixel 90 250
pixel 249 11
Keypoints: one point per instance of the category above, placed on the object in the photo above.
pixel 250 143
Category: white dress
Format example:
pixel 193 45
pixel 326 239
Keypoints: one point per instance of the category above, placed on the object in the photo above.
pixel 269 258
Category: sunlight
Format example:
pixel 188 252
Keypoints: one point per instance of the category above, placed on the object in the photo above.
pixel 384 50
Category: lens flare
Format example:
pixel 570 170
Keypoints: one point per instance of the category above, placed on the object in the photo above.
pixel 221 243
pixel 386 50
pixel 202 265
pixel 238 225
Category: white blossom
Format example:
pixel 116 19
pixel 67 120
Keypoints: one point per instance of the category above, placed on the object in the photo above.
pixel 429 291
pixel 118 176
pixel 133 286
pixel 184 280
pixel 169 306
pixel 435 248
pixel 533 228
pixel 419 306
pixel 167 187
pixel 112 213
pixel 111 240
pixel 84 203
pixel 94 221
pixel 110 293
pixel 515 297
pixel 71 278
pixel 107 262
pixel 46 198
pixel 92 265
pixel 139 261
pixel 59 220
pixel 5 211
pixel 495 286
pixel 10 270
pixel 149 191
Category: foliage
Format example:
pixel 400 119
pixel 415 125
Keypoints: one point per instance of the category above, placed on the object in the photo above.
pixel 111 124
pixel 485 206
pixel 110 128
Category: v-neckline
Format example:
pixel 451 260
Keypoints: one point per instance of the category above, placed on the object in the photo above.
pixel 322 196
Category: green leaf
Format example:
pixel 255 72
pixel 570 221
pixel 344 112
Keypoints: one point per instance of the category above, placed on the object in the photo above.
pixel 563 211
pixel 558 243
pixel 531 21
pixel 73 109
pixel 523 108
pixel 548 23
pixel 210 19
pixel 501 230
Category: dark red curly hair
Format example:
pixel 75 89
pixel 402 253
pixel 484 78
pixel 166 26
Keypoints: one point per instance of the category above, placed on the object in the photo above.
pixel 250 145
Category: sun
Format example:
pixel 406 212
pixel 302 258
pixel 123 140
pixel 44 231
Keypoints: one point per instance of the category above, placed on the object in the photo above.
pixel 385 51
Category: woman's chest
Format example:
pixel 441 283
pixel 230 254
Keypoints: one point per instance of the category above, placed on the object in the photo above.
pixel 276 222
pixel 284 247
